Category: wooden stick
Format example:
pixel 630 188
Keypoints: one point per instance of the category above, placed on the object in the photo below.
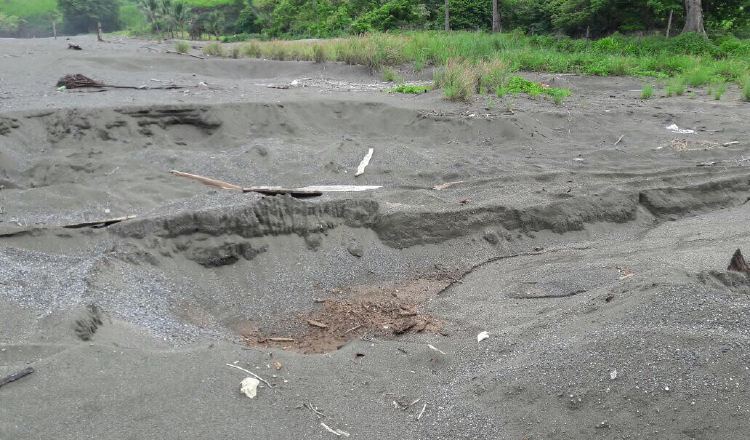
pixel 422 412
pixel 364 163
pixel 318 324
pixel 252 374
pixel 15 376
pixel 188 54
pixel 619 140
pixel 208 181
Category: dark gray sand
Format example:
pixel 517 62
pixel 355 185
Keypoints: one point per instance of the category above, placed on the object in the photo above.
pixel 589 241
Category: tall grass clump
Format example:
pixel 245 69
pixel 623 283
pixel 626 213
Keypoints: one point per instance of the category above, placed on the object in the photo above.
pixel 182 46
pixel 698 76
pixel 647 92
pixel 745 86
pixel 235 52
pixel 251 50
pixel 214 50
pixel 719 89
pixel 676 86
pixel 458 80
pixel 319 54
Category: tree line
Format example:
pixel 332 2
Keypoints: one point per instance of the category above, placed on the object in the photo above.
pixel 330 18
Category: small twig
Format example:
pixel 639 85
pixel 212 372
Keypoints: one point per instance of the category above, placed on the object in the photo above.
pixel 314 410
pixel 337 432
pixel 207 180
pixel 15 376
pixel 352 329
pixel 619 140
pixel 281 339
pixel 422 412
pixel 318 324
pixel 414 402
pixel 252 374
pixel 432 347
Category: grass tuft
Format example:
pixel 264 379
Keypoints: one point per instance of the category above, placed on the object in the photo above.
pixel 676 87
pixel 390 75
pixel 647 92
pixel 745 84
pixel 214 50
pixel 182 47
pixel 319 54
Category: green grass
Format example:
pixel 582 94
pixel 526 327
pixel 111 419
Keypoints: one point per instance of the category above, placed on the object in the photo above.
pixel 411 89
pixel 518 85
pixel 676 87
pixel 684 61
pixel 647 92
pixel 746 88
pixel 182 46
pixel 207 3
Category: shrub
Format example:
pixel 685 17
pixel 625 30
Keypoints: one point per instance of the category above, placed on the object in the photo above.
pixel 182 47
pixel 214 50
pixel 647 92
pixel 236 52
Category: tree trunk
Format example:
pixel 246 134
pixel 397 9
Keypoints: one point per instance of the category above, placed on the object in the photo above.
pixel 669 23
pixel 54 29
pixel 99 31
pixel 447 17
pixel 694 17
pixel 496 16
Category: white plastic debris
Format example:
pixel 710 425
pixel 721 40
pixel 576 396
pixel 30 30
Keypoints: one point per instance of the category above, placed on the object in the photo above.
pixel 675 129
pixel 482 336
pixel 613 374
pixel 249 387
pixel 364 163
pixel 432 347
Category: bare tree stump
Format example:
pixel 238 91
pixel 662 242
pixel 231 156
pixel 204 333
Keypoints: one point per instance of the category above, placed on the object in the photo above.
pixel 738 264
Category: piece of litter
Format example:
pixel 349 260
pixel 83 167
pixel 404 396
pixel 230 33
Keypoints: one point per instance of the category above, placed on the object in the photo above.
pixel 249 387
pixel 613 374
pixel 482 336
pixel 445 185
pixel 295 82
pixel 727 144
pixel 432 347
pixel 337 432
pixel 364 163
pixel 675 129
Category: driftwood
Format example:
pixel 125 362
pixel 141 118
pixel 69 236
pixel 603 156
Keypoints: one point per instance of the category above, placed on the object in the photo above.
pixel 78 81
pixel 15 376
pixel 188 54
pixel 208 181
pixel 98 223
pixel 738 264
pixel 72 46
pixel 306 191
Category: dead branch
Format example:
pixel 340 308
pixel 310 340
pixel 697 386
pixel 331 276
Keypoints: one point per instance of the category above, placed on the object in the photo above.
pixel 188 54
pixel 78 81
pixel 72 46
pixel 252 374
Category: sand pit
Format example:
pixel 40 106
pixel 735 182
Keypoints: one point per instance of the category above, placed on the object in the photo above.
pixel 589 241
